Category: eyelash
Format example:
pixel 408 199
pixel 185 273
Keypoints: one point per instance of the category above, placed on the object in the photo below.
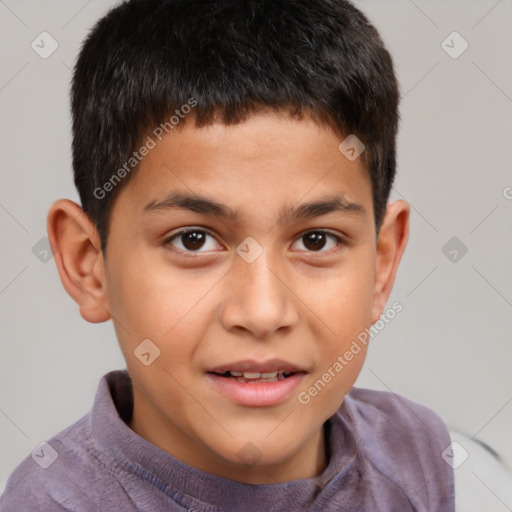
pixel 167 242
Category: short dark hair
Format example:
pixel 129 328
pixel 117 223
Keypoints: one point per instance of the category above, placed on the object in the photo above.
pixel 147 59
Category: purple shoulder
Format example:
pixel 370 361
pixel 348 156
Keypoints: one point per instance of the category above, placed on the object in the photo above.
pixel 51 477
pixel 403 442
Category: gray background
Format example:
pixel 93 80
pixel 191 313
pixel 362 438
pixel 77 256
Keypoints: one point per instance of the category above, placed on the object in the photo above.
pixel 449 348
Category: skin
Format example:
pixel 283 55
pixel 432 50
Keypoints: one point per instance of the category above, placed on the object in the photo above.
pixel 211 307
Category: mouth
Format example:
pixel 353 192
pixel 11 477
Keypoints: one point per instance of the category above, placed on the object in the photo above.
pixel 252 377
pixel 273 370
pixel 257 384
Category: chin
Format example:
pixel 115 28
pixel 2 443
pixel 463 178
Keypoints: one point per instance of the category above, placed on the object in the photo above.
pixel 257 453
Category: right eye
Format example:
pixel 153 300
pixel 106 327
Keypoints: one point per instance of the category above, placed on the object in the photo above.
pixel 192 240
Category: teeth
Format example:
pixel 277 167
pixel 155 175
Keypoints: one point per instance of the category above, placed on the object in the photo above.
pixel 252 375
pixel 262 377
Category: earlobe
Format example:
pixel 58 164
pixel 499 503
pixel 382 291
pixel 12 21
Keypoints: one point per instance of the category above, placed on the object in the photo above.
pixel 393 236
pixel 76 248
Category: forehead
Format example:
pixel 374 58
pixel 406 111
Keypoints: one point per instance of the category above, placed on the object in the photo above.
pixel 271 160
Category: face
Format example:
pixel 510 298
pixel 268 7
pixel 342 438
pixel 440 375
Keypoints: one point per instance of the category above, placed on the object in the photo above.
pixel 241 251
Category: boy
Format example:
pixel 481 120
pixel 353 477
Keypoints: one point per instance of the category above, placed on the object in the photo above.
pixel 234 161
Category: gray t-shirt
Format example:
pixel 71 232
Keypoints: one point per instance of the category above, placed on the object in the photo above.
pixel 384 455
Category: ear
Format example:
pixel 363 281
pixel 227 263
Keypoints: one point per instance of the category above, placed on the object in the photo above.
pixel 77 251
pixel 393 236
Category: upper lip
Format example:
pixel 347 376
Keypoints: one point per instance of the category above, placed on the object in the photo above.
pixel 271 365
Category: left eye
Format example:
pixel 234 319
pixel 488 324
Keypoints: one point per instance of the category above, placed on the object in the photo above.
pixel 193 240
pixel 317 241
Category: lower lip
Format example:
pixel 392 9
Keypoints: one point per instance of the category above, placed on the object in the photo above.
pixel 257 394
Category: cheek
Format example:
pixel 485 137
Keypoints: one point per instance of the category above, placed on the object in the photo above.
pixel 167 306
pixel 152 297
pixel 343 300
pixel 342 361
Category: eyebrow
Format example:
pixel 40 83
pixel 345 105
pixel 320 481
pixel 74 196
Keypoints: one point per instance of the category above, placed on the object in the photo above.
pixel 334 203
pixel 194 203
pixel 204 205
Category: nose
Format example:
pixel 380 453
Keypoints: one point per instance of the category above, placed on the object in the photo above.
pixel 257 299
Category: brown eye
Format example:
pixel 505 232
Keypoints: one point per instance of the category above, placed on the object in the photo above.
pixel 314 241
pixel 318 241
pixel 193 240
